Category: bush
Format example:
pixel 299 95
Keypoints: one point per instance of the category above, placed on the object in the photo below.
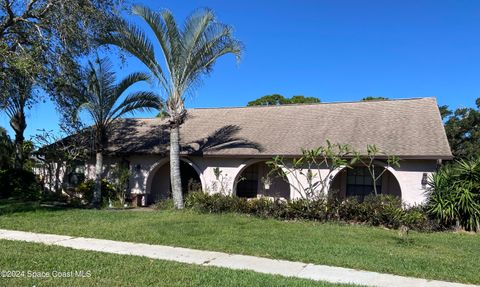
pixel 85 189
pixel 165 204
pixel 381 210
pixel 54 196
pixel 19 183
pixel 454 195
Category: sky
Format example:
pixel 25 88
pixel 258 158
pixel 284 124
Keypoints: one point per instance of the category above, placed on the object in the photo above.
pixel 335 50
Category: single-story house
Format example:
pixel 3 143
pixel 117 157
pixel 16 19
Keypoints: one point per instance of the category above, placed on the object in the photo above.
pixel 226 149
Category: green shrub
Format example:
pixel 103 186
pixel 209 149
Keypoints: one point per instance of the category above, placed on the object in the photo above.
pixel 381 210
pixel 19 183
pixel 454 195
pixel 86 188
pixel 417 218
pixel 165 204
pixel 55 196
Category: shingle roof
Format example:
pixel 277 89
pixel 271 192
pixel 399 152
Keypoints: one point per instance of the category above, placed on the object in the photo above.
pixel 410 128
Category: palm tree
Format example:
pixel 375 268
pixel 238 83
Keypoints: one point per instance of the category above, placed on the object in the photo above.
pixel 188 53
pixel 100 97
pixel 19 96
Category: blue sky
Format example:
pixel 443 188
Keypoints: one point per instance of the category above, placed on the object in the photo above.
pixel 335 50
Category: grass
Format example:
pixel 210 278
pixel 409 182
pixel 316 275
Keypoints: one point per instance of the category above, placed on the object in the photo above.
pixel 443 256
pixel 120 270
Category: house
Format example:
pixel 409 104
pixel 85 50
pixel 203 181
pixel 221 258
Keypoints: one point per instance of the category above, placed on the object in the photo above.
pixel 225 149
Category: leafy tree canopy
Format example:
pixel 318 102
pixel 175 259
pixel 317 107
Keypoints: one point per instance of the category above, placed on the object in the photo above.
pixel 6 149
pixel 463 130
pixel 43 39
pixel 375 99
pixel 276 99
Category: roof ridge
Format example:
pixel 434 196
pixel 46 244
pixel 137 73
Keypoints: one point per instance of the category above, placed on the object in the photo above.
pixel 294 105
pixel 316 104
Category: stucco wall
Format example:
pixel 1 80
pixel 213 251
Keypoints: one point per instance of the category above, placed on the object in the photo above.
pixel 143 168
pixel 409 176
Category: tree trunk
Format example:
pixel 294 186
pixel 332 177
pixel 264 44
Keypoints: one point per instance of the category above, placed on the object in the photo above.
pixel 175 178
pixel 19 124
pixel 19 159
pixel 97 191
pixel 57 178
pixel 374 178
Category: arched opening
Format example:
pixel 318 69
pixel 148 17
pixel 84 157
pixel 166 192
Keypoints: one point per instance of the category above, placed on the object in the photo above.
pixel 357 182
pixel 161 187
pixel 258 180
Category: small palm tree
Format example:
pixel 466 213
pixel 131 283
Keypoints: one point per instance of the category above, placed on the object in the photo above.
pixel 188 53
pixel 19 98
pixel 100 97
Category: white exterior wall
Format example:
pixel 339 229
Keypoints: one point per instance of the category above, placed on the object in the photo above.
pixel 409 176
pixel 143 168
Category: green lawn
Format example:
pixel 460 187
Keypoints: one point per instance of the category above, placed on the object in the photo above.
pixel 444 256
pixel 119 270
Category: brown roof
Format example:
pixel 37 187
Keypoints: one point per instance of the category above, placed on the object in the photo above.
pixel 410 128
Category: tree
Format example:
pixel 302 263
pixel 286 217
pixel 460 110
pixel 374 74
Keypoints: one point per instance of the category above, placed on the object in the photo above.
pixel 369 161
pixel 57 155
pixel 101 98
pixel 276 99
pixel 6 149
pixel 306 174
pixel 304 100
pixel 19 96
pixel 463 131
pixel 454 194
pixel 366 99
pixel 51 30
pixel 306 171
pixel 189 53
pixel 40 43
pixel 444 112
pixel 269 100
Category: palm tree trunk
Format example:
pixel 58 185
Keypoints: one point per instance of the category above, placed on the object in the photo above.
pixel 19 158
pixel 19 124
pixel 175 177
pixel 97 191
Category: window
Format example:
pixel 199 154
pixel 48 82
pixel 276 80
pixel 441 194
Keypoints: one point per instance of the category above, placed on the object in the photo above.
pixel 360 183
pixel 76 174
pixel 247 186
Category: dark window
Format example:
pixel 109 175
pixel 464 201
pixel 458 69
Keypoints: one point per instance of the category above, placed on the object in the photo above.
pixel 360 183
pixel 247 185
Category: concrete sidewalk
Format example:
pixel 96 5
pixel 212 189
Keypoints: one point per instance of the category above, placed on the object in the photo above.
pixel 231 261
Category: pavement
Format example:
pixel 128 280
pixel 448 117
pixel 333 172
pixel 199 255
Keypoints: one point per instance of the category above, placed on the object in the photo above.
pixel 231 261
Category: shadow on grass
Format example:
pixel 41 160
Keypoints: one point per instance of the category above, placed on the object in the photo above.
pixel 11 206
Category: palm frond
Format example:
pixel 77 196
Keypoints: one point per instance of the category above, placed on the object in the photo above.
pixel 137 101
pixel 216 41
pixel 129 80
pixel 175 42
pixel 156 23
pixel 101 96
pixel 189 52
pixel 132 39
pixel 195 26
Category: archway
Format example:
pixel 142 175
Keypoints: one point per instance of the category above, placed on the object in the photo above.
pixel 160 186
pixel 357 182
pixel 257 179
